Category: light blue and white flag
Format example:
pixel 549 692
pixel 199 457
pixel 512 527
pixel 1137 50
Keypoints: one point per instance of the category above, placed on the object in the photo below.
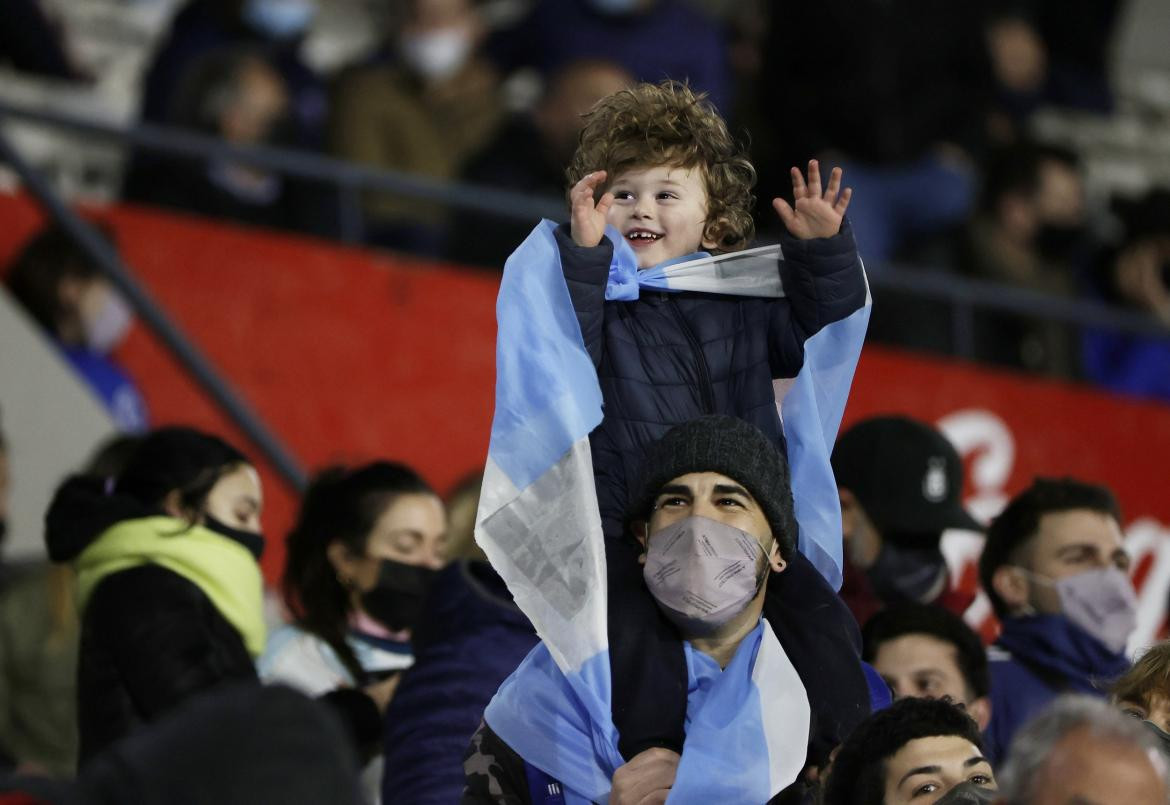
pixel 538 523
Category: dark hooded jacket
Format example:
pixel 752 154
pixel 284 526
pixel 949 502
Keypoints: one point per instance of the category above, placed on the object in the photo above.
pixel 668 358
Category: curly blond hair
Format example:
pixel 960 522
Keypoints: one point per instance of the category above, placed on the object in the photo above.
pixel 669 124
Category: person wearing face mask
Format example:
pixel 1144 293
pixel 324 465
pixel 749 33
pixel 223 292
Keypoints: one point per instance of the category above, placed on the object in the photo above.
pixel 1056 572
pixel 168 581
pixel 65 292
pixel 713 514
pixel 361 558
pixel 1143 692
pixel 425 112
pixel 900 482
pixel 916 751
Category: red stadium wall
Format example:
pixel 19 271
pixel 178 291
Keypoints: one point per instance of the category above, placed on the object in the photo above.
pixel 350 355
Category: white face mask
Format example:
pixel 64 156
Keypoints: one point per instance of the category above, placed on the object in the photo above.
pixel 107 326
pixel 1102 603
pixel 437 54
pixel 703 573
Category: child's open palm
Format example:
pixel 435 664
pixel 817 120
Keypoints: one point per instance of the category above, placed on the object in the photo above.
pixel 816 215
pixel 587 221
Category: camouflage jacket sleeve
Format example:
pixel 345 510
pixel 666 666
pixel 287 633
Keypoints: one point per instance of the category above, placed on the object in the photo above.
pixel 494 773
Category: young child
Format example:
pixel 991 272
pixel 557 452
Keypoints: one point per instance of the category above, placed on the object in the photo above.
pixel 657 163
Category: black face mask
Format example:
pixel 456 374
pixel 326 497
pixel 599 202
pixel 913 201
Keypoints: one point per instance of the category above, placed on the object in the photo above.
pixel 906 574
pixel 1059 242
pixel 967 794
pixel 1162 736
pixel 398 597
pixel 249 539
pixel 3 530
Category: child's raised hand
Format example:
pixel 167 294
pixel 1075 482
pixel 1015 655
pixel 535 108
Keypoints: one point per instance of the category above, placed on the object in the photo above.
pixel 587 221
pixel 816 215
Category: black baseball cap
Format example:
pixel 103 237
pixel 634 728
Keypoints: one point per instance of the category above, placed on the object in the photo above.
pixel 905 474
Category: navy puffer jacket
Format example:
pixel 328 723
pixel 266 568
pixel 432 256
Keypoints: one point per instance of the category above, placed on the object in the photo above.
pixel 667 358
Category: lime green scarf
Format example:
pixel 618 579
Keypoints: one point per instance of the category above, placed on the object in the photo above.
pixel 223 569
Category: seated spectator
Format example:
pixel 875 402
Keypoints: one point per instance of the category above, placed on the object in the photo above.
pixel 1055 569
pixel 425 114
pixel 275 27
pixel 470 638
pixel 61 287
pixel 900 483
pixel 1143 692
pixel 529 154
pixel 651 39
pixel 1081 750
pixel 915 751
pixel 928 652
pixel 1029 231
pixel 237 96
pixel 169 587
pixel 237 746
pixel 710 540
pixel 1136 277
pixel 365 549
pixel 900 107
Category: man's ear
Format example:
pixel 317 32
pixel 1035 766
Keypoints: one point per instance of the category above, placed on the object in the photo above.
pixel 172 504
pixel 641 531
pixel 980 711
pixel 1011 584
pixel 849 512
pixel 775 560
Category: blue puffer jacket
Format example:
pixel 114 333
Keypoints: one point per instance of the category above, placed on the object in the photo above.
pixel 667 358
pixel 472 639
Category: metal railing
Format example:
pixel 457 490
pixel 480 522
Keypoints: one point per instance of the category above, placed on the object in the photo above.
pixel 965 296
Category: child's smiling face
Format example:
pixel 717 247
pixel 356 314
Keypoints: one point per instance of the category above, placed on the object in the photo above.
pixel 661 211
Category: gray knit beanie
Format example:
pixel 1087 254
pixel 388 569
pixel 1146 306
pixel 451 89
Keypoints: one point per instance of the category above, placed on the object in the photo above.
pixel 730 447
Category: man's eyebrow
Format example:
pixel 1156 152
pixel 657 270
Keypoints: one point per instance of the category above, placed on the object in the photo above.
pixel 1075 546
pixel 732 489
pixel 975 761
pixel 920 770
pixel 674 489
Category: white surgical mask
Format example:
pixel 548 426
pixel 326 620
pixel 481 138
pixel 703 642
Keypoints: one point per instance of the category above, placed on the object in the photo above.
pixel 702 572
pixel 437 54
pixel 1102 603
pixel 107 326
pixel 280 19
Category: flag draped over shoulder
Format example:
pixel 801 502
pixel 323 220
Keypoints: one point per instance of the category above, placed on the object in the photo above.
pixel 538 523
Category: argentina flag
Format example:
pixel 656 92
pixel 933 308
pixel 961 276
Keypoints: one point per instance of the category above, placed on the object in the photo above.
pixel 539 525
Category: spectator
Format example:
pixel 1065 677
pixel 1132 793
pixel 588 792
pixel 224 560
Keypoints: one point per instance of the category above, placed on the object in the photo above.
pixel 1135 277
pixel 900 106
pixel 237 746
pixel 1144 692
pixel 1082 750
pixel 277 27
pixel 169 588
pixel 424 114
pixel 529 155
pixel 470 638
pixel 915 751
pixel 462 506
pixel 1054 568
pixel 61 287
pixel 713 492
pixel 900 483
pixel 926 651
pixel 1029 232
pixel 237 96
pixel 361 557
pixel 39 634
pixel 651 39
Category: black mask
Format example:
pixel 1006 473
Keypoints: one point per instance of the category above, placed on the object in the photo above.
pixel 397 599
pixel 967 794
pixel 1162 736
pixel 3 530
pixel 249 539
pixel 906 574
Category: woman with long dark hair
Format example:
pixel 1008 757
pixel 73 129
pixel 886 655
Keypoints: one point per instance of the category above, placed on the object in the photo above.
pixel 168 583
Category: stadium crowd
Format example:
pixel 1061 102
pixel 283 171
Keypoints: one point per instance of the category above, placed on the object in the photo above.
pixel 682 601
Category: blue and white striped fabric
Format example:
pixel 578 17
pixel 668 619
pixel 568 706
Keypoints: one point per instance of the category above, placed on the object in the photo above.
pixel 539 525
